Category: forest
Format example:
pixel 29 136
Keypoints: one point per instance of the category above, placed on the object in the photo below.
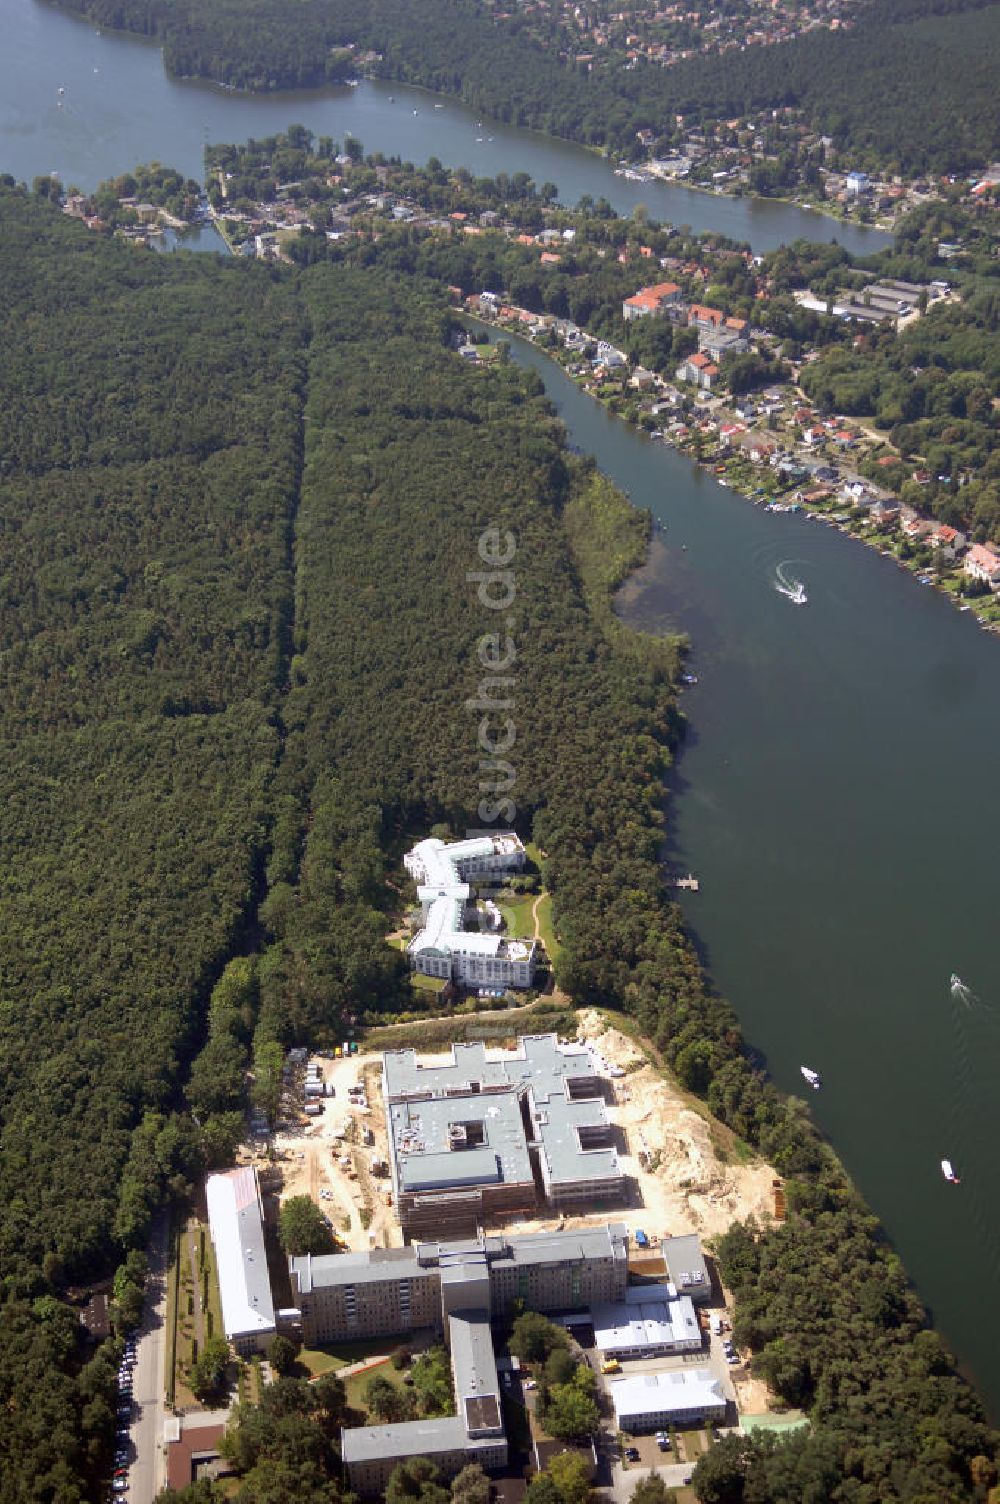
pixel 865 88
pixel 246 514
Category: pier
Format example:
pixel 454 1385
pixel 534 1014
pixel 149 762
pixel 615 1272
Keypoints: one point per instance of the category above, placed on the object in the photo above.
pixel 690 882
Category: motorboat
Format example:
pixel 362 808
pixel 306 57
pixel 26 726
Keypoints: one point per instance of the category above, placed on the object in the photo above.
pixel 811 1076
pixel 948 1172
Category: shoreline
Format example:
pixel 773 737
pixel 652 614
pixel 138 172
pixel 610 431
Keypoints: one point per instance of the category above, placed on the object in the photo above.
pixel 745 480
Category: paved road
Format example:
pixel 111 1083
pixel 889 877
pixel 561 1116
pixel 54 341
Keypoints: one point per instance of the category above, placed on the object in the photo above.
pixel 147 1471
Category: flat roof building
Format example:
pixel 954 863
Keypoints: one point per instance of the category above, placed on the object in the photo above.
pixel 444 873
pixel 387 1291
pixel 686 1267
pixel 646 1328
pixel 236 1222
pixel 469 1136
pixel 649 1401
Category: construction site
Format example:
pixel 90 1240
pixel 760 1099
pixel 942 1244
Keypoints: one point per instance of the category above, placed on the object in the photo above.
pixel 681 1172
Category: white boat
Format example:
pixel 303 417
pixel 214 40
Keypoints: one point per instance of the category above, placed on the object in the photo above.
pixel 811 1076
pixel 955 982
pixel 949 1173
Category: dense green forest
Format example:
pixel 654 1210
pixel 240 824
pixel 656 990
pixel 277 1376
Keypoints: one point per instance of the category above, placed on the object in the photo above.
pixel 866 88
pixel 253 525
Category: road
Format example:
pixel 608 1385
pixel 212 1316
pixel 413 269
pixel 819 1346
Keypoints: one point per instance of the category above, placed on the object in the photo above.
pixel 147 1470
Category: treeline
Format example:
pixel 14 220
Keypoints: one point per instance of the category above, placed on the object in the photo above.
pixel 866 88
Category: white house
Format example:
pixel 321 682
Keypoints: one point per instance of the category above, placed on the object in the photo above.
pixel 982 562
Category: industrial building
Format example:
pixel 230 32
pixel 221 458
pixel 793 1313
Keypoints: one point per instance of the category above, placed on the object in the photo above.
pixel 345 1297
pixel 472 1138
pixel 236 1222
pixel 444 873
pixel 646 1325
pixel 686 1267
pixel 474 1434
pixel 648 1401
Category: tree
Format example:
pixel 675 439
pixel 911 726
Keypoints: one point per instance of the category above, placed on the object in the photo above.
pixel 533 1337
pixel 652 1490
pixel 416 1482
pixel 282 1355
pixel 208 1371
pixel 571 1475
pixel 470 1486
pixel 385 1403
pixel 542 1490
pixel 302 1228
pixel 571 1412
pixel 721 1472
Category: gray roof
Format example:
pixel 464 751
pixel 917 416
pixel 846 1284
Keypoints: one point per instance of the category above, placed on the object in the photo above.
pixel 474 1370
pixel 685 1262
pixel 409 1438
pixel 419 1134
pixel 317 1271
pixel 424 1100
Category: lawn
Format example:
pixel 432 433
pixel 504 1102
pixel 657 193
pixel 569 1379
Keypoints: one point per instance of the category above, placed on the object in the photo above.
pixel 319 1360
pixel 355 1386
pixel 546 933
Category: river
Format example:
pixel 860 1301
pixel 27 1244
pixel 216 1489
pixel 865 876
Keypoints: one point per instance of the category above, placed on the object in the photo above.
pixel 837 796
pixel 119 108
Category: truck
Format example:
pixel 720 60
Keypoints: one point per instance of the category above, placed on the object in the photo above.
pixel 641 1239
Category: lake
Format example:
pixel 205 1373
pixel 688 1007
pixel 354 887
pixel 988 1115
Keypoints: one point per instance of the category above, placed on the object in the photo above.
pixel 837 796
pixel 120 108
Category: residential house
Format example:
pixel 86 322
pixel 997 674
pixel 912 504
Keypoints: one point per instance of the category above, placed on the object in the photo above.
pixel 883 512
pixel 982 562
pixel 651 300
pixel 946 540
pixel 699 370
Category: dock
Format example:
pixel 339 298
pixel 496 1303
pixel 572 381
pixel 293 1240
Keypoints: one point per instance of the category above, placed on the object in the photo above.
pixel 690 882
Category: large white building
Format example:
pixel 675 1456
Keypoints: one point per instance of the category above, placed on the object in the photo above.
pixel 236 1221
pixel 651 1400
pixel 444 873
pixel 647 1325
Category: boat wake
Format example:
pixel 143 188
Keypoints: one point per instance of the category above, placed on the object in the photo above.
pixel 787 585
pixel 960 992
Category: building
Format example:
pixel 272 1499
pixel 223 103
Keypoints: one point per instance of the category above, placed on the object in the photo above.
pixel 443 947
pixel 650 1401
pixel 474 1434
pixel 471 1138
pixel 686 1267
pixel 647 1325
pixel 651 300
pixel 983 563
pixel 236 1222
pixel 699 370
pixel 391 1291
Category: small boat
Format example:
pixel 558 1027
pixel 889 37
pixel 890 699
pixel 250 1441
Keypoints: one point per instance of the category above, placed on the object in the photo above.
pixel 392 99
pixel 949 1173
pixel 689 678
pixel 439 106
pixel 811 1076
pixel 955 982
pixel 61 89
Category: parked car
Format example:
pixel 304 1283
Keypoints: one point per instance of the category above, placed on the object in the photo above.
pixel 631 1454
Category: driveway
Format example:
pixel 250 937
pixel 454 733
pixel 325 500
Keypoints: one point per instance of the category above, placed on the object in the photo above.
pixel 147 1471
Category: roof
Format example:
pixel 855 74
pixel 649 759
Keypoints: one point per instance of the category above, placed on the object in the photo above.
pixel 677 1390
pixel 685 1262
pixel 410 1438
pixel 652 297
pixel 237 1226
pixel 561 1083
pixel 474 1372
pixel 440 869
pixel 649 1323
pixel 317 1271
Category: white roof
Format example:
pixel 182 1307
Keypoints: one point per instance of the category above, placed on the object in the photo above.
pixel 234 1216
pixel 443 892
pixel 677 1390
pixel 652 1323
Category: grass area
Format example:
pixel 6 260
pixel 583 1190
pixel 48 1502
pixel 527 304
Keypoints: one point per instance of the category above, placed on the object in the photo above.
pixel 517 916
pixel 170 1346
pixel 426 984
pixel 546 933
pixel 328 1359
pixel 189 1309
pixel 355 1386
